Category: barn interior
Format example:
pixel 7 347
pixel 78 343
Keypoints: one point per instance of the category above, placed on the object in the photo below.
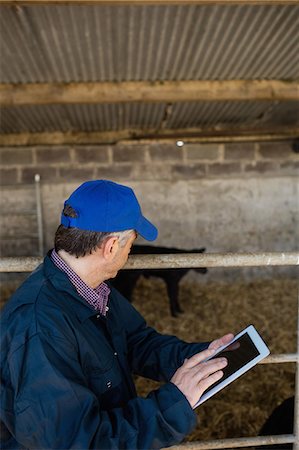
pixel 194 104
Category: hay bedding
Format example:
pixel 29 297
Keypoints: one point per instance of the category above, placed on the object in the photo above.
pixel 210 311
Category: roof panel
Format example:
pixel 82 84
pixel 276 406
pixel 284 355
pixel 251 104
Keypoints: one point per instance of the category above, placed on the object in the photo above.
pixel 116 117
pixel 43 118
pixel 217 114
pixel 66 43
pixel 212 114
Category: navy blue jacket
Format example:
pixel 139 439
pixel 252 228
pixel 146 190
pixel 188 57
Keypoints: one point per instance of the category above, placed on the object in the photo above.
pixel 66 372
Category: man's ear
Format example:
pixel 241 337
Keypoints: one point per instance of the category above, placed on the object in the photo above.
pixel 110 247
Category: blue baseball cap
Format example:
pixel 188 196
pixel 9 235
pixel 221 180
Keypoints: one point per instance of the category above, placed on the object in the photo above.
pixel 105 206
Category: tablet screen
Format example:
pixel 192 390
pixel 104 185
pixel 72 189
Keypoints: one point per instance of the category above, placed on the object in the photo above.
pixel 238 354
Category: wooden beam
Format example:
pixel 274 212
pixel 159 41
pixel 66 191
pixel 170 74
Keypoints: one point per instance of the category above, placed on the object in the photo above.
pixel 147 2
pixel 149 136
pixel 146 91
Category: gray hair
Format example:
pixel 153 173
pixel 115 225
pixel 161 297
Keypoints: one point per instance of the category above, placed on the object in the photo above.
pixel 123 236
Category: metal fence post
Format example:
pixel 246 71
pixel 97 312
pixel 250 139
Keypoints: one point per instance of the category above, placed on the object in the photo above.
pixel 296 403
pixel 39 215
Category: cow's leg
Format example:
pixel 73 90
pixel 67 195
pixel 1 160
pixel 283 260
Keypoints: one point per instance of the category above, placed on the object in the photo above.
pixel 173 294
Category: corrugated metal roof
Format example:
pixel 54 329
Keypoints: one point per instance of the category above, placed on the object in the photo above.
pixel 66 43
pixel 146 116
pixel 80 117
pixel 215 114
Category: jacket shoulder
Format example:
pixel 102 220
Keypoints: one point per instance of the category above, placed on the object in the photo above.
pixel 32 309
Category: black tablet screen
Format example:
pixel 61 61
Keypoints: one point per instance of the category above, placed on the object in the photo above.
pixel 238 354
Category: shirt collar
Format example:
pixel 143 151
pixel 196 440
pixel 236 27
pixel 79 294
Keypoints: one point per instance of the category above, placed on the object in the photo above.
pixel 97 298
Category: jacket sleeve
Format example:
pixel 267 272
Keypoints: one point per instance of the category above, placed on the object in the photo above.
pixel 151 354
pixel 55 409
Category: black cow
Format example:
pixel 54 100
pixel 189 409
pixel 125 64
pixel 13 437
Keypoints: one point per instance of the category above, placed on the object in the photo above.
pixel 281 421
pixel 127 279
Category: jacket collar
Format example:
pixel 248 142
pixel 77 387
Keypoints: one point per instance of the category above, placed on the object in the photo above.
pixel 61 282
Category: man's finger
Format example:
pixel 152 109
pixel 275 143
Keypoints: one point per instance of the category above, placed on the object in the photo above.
pixel 207 382
pixel 208 368
pixel 224 340
pixel 198 357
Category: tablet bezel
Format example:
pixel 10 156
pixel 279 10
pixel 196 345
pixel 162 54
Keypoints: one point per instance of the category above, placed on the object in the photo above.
pixel 261 348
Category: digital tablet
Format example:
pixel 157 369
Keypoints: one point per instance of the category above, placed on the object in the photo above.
pixel 242 353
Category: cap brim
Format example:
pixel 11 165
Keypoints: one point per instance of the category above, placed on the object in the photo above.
pixel 146 229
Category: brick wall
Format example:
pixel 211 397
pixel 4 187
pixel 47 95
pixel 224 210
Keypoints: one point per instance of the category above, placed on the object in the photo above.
pixel 146 162
pixel 226 197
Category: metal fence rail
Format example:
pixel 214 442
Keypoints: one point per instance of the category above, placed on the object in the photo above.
pixel 175 261
pixel 237 442
pixel 27 264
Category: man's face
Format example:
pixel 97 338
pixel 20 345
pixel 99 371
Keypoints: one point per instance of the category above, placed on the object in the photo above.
pixel 122 255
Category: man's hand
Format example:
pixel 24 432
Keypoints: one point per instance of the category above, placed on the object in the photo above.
pixel 195 375
pixel 224 340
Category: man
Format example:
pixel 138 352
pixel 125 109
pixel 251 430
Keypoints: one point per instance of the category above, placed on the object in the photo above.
pixel 70 342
